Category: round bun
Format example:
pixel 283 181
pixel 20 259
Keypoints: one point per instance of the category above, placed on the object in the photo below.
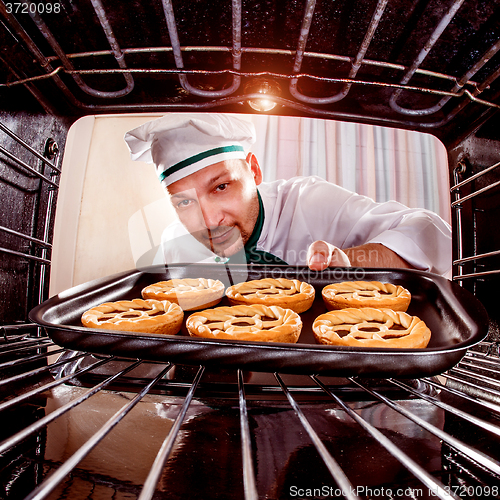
pixel 255 322
pixel 144 316
pixel 289 294
pixel 189 293
pixel 368 327
pixel 366 294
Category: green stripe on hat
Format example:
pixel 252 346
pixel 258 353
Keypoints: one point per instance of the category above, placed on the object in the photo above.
pixel 196 158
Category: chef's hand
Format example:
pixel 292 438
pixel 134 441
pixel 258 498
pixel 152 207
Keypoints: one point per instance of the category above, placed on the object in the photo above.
pixel 321 255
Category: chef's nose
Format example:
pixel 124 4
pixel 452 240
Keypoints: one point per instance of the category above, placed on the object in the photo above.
pixel 212 214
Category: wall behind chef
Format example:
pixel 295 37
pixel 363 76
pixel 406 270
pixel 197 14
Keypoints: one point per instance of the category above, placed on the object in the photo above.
pixel 227 213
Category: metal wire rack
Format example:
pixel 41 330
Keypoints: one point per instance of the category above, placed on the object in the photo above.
pixel 469 385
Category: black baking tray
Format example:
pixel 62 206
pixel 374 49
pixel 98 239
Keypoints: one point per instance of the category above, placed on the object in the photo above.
pixel 455 317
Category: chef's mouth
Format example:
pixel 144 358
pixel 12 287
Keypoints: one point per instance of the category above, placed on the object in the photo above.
pixel 218 235
pixel 221 238
pixel 224 241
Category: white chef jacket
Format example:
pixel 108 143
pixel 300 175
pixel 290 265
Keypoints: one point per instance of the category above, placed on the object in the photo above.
pixel 302 210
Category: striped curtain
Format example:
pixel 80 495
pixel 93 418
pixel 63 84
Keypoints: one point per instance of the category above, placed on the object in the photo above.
pixel 380 162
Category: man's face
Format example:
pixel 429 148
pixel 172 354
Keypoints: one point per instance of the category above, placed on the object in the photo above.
pixel 218 205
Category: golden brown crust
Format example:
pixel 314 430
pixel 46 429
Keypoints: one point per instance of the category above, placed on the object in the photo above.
pixel 255 322
pixel 144 316
pixel 289 294
pixel 366 294
pixel 189 293
pixel 369 327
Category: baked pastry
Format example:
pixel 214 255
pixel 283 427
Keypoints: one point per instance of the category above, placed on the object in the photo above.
pixel 189 293
pixel 145 316
pixel 255 322
pixel 369 327
pixel 289 294
pixel 366 294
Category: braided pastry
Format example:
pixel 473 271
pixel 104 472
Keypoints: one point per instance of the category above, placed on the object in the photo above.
pixel 289 294
pixel 189 293
pixel 368 327
pixel 366 294
pixel 145 316
pixel 254 322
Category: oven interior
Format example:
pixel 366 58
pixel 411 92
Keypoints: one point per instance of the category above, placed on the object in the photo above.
pixel 84 426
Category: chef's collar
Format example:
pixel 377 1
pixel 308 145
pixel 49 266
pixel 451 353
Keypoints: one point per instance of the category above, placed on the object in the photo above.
pixel 253 255
pixel 180 144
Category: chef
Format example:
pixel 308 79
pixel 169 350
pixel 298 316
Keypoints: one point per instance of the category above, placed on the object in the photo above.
pixel 228 214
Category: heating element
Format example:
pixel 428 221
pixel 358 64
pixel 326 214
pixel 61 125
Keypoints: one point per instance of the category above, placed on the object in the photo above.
pixel 76 425
pixel 400 63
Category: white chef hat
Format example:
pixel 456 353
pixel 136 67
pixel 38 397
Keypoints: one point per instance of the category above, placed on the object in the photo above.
pixel 181 144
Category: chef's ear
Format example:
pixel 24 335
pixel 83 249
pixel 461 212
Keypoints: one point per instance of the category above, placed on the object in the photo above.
pixel 251 159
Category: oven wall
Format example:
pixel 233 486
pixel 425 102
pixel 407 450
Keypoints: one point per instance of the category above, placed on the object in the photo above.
pixel 25 204
pixel 479 218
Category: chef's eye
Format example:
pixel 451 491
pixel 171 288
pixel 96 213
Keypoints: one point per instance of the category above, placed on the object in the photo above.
pixel 183 204
pixel 222 187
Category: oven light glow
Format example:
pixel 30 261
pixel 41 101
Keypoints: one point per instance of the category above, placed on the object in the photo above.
pixel 261 104
pixel 265 87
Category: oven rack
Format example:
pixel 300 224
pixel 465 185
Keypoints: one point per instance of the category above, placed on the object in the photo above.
pixel 52 63
pixel 468 393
